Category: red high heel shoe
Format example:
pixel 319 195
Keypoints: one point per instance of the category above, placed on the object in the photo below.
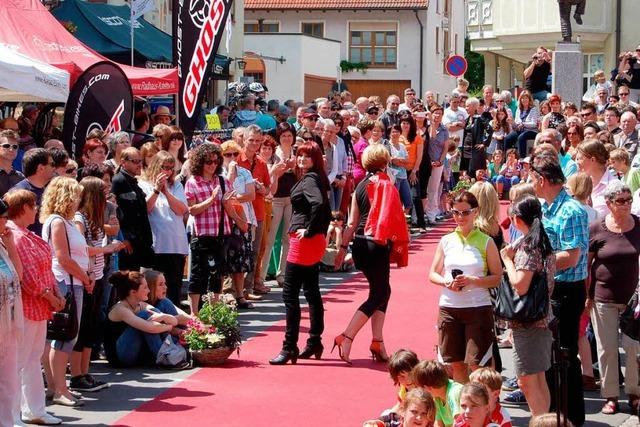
pixel 376 351
pixel 337 342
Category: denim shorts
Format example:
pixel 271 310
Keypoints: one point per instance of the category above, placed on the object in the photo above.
pixel 67 346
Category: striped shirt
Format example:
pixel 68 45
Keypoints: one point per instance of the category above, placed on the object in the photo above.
pixel 567 226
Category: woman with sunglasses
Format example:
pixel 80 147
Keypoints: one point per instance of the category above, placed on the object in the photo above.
pixel 309 223
pixel 466 264
pixel 166 208
pixel 614 247
pixel 134 222
pixel 174 144
pixel 240 258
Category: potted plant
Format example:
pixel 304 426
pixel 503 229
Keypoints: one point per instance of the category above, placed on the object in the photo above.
pixel 215 334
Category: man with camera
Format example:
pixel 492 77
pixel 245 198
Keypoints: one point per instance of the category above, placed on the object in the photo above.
pixel 629 73
pixel 537 73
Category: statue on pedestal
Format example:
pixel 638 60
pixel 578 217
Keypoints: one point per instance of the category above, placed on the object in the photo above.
pixel 565 16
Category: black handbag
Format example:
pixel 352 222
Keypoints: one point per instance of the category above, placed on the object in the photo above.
pixel 532 306
pixel 629 323
pixel 63 326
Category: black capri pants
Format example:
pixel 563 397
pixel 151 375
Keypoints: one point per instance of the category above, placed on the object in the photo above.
pixel 207 264
pixel 373 260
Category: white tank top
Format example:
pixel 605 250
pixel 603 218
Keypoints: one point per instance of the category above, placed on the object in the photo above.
pixel 77 246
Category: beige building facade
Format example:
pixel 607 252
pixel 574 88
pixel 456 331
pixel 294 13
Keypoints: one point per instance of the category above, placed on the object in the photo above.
pixel 507 32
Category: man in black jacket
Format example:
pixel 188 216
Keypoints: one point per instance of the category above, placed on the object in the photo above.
pixel 390 116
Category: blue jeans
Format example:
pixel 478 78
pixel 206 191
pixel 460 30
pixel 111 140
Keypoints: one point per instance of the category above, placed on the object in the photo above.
pixel 131 344
pixel 402 184
pixel 78 289
pixel 507 182
pixel 521 145
pixel 541 95
pixel 335 198
pixel 166 306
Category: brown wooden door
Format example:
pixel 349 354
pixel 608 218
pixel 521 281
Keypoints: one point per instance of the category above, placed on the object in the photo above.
pixel 381 88
pixel 316 87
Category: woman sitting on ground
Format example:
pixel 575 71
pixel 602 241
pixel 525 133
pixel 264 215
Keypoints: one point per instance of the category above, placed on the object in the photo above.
pixel 136 330
pixel 158 296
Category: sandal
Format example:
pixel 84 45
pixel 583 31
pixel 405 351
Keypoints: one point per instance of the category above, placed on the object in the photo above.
pixel 244 304
pixel 610 407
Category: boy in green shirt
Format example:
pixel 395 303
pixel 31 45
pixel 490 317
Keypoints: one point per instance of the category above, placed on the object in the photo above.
pixel 432 377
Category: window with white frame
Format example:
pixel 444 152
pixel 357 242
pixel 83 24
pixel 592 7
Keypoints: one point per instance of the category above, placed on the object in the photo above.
pixel 591 62
pixel 374 43
pixel 315 29
pixel 266 27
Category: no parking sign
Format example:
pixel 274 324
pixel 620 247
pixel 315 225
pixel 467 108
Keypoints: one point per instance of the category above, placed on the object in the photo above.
pixel 456 65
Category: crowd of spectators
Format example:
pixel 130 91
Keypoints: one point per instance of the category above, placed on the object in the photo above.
pixel 114 231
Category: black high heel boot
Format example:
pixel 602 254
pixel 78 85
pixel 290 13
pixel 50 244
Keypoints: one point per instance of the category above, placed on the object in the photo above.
pixel 284 356
pixel 312 350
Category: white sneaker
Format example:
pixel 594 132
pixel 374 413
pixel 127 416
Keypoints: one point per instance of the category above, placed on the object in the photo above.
pixel 45 420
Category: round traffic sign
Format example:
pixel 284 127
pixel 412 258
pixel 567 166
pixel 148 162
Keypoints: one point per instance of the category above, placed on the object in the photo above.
pixel 456 65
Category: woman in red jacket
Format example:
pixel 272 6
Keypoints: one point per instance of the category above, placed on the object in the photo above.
pixel 381 235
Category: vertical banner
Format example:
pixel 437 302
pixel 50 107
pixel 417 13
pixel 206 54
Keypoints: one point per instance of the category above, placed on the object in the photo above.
pixel 198 27
pixel 102 99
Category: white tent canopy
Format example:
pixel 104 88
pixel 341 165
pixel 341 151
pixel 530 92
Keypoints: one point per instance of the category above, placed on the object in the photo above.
pixel 26 80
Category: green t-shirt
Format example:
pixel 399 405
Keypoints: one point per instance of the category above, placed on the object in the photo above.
pixel 447 412
pixel 632 179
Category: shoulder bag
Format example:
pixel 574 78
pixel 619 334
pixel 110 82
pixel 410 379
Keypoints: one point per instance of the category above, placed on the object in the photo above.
pixel 63 325
pixel 532 306
pixel 630 318
pixel 233 242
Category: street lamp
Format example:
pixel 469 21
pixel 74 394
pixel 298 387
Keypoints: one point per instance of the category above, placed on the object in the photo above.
pixel 242 64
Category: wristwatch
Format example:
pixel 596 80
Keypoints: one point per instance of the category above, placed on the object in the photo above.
pixel 155 190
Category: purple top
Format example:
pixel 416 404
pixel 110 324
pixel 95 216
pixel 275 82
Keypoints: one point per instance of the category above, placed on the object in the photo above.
pixel 358 170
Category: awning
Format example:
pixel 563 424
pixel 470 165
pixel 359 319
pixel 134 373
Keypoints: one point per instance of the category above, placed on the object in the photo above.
pixel 24 79
pixel 106 29
pixel 29 28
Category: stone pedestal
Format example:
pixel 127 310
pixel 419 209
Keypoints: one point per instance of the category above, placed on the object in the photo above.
pixel 567 72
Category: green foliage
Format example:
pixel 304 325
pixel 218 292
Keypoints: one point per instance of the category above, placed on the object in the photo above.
pixel 475 68
pixel 224 319
pixel 347 66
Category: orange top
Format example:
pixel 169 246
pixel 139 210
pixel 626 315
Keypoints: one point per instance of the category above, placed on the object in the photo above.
pixel 260 172
pixel 412 150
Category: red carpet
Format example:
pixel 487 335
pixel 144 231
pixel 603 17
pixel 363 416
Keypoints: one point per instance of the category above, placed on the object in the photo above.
pixel 248 391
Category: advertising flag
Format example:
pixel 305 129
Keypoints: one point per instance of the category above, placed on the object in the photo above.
pixel 198 27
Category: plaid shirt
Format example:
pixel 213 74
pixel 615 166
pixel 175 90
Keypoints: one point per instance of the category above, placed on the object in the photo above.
pixel 567 226
pixel 35 255
pixel 207 223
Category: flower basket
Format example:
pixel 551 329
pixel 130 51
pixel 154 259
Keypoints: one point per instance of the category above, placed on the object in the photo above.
pixel 212 356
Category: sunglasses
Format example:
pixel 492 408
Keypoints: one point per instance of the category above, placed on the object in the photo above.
pixel 623 94
pixel 134 161
pixel 308 138
pixel 622 202
pixel 167 167
pixel 456 212
pixel 585 114
pixel 9 146
pixel 313 119
pixel 70 171
pixel 231 154
pixel 210 161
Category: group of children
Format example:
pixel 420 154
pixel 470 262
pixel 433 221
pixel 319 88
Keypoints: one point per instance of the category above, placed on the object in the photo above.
pixel 427 396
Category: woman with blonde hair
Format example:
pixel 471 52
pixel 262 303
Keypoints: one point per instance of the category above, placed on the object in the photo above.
pixel 147 152
pixel 70 265
pixel 166 208
pixel 488 218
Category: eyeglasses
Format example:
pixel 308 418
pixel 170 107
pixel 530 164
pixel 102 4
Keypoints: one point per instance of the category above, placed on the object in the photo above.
pixel 134 161
pixel 624 201
pixel 231 154
pixel 167 167
pixel 210 161
pixel 70 171
pixel 468 212
pixel 9 146
pixel 623 93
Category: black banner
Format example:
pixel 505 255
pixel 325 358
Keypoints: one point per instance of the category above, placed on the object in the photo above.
pixel 101 98
pixel 198 27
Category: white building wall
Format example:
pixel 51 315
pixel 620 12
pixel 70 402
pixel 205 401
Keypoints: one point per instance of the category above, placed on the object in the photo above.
pixel 302 55
pixel 336 26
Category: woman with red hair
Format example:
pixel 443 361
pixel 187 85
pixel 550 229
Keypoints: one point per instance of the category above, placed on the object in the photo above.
pixel 555 117
pixel 309 222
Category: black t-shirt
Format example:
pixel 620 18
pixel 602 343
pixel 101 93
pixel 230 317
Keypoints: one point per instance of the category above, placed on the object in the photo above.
pixel 538 79
pixel 634 71
pixel 362 198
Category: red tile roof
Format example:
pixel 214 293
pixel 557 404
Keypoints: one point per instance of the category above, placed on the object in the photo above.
pixel 334 4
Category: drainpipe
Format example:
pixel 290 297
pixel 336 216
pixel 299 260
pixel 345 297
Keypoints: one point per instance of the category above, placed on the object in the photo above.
pixel 618 20
pixel 422 49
